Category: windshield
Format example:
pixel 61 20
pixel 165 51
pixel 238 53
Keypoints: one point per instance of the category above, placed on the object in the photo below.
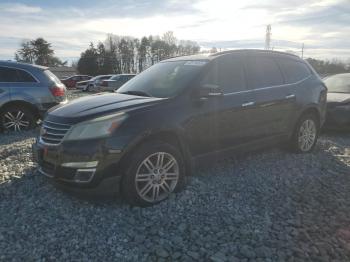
pixel 166 79
pixel 338 83
pixel 95 78
pixel 116 77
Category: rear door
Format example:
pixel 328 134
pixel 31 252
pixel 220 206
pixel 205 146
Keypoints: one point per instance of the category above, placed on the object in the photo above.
pixel 295 73
pixel 273 99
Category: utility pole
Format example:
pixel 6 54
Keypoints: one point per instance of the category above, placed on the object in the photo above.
pixel 268 38
pixel 302 51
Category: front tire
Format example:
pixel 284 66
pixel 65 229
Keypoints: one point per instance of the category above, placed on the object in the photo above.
pixel 305 134
pixel 17 118
pixel 89 88
pixel 153 172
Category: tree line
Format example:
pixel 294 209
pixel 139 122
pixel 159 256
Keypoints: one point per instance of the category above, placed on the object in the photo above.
pixel 329 67
pixel 118 54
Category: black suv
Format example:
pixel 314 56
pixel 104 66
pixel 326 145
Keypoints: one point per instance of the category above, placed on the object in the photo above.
pixel 144 139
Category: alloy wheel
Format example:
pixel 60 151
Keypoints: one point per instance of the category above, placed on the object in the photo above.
pixel 307 135
pixel 157 176
pixel 15 121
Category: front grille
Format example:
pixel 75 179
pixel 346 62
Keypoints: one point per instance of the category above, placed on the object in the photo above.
pixel 53 133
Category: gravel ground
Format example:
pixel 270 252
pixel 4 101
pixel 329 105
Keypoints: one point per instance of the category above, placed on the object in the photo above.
pixel 264 206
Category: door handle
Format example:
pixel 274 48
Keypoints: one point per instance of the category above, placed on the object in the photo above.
pixel 290 96
pixel 248 104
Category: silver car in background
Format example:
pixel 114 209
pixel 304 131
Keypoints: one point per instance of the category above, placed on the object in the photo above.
pixel 115 82
pixel 26 93
pixel 93 83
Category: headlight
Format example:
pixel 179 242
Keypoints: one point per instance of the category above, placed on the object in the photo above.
pixel 96 128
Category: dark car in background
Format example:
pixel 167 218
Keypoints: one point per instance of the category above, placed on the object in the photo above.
pixel 114 82
pixel 145 138
pixel 93 83
pixel 70 82
pixel 26 93
pixel 338 101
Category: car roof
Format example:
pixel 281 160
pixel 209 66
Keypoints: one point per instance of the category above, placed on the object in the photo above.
pixel 21 65
pixel 124 75
pixel 209 57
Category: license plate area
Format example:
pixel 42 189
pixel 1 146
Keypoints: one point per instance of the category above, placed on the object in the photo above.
pixel 47 159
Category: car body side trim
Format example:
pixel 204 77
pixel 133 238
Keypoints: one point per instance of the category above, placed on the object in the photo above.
pixel 268 87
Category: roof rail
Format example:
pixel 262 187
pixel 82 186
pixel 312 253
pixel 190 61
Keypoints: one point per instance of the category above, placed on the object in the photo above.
pixel 252 50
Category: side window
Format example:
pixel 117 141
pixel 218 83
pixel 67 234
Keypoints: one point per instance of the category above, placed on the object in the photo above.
pixel 231 74
pixel 227 72
pixel 263 72
pixel 211 78
pixel 294 71
pixel 8 74
pixel 23 76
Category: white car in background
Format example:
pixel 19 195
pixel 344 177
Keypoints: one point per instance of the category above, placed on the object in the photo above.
pixel 93 83
pixel 114 82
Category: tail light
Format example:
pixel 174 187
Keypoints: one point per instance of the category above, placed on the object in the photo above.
pixel 57 91
pixel 323 95
pixel 104 83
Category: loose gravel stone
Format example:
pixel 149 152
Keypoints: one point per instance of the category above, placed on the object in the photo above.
pixel 265 206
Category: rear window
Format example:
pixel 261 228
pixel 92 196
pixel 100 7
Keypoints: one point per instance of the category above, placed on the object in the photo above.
pixel 15 75
pixel 263 72
pixel 293 71
pixel 52 76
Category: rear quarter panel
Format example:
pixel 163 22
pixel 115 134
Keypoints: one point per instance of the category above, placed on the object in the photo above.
pixel 308 95
pixel 37 93
pixel 4 93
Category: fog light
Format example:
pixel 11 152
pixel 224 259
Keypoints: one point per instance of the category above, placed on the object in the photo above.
pixel 81 164
pixel 84 175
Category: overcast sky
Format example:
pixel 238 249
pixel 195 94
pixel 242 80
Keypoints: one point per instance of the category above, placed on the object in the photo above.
pixel 323 25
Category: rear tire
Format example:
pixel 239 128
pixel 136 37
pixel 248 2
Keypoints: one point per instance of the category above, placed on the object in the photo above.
pixel 154 171
pixel 305 134
pixel 17 118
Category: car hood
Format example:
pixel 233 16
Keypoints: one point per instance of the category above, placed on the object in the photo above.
pixel 338 97
pixel 97 105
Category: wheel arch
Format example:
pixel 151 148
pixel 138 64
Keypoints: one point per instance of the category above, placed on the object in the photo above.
pixel 166 136
pixel 25 104
pixel 312 110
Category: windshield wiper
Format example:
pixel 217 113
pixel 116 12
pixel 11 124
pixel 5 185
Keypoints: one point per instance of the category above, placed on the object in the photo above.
pixel 136 93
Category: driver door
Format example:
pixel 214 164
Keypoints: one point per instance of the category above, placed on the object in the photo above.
pixel 222 121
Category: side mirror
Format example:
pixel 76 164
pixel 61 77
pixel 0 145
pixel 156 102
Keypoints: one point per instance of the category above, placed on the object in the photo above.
pixel 209 90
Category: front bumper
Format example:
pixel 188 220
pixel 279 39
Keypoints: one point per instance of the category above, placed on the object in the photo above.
pixel 80 165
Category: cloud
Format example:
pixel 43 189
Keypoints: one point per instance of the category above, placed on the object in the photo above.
pixel 19 8
pixel 71 25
